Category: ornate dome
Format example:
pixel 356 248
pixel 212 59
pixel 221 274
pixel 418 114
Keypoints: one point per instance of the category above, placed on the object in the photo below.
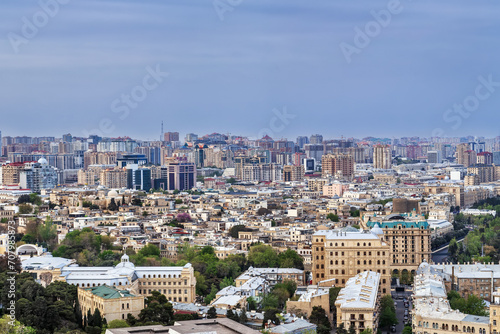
pixel 43 161
pixel 377 230
pixel 113 193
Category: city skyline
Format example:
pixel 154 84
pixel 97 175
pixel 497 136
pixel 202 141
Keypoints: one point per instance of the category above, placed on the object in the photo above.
pixel 234 69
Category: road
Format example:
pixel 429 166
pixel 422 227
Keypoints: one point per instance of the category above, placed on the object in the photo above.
pixel 440 255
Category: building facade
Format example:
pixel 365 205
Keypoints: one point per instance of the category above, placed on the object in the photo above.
pixel 341 255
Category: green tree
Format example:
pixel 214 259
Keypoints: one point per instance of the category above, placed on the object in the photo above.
pixel 25 209
pixel 341 329
pixel 112 206
pixel 319 317
pixel 333 217
pixel 290 259
pixel 243 319
pixel 453 249
pixel 271 314
pixel 387 318
pixel 211 295
pixel 263 256
pixel 233 231
pixel 118 323
pixel 407 330
pixel 367 331
pixel 158 310
pixel 212 313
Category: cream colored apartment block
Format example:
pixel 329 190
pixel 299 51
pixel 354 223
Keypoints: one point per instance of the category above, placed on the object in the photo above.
pixel 340 255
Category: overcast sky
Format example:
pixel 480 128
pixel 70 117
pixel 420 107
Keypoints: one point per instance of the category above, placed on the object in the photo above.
pixel 233 65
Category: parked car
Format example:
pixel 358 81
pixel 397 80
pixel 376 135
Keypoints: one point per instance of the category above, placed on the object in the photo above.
pixel 393 328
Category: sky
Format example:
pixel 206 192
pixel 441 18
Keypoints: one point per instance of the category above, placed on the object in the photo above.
pixel 250 67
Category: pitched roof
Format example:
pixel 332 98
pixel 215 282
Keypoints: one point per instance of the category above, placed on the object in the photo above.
pixel 108 292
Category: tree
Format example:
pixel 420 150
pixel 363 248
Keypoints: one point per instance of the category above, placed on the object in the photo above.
pixel 233 231
pixel 263 256
pixel 158 310
pixel 272 315
pixel 453 249
pixel 387 318
pixel 407 330
pixel 251 303
pixel 367 331
pixel 25 209
pixel 212 313
pixel 118 323
pixel 232 315
pixel 333 217
pixel 290 259
pixel 243 317
pixel 211 295
pixel 319 317
pixel 112 206
pixel 341 329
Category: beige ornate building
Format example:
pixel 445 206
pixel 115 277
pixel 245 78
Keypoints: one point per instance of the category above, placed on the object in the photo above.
pixel 358 304
pixel 408 236
pixel 178 284
pixel 111 302
pixel 342 254
pixel 432 312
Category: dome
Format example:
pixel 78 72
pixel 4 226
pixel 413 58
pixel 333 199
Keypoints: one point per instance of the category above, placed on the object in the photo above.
pixel 377 230
pixel 43 161
pixel 125 263
pixel 113 193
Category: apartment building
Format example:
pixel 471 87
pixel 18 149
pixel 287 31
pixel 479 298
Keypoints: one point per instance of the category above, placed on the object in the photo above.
pixel 342 254
pixel 339 165
pixel 409 236
pixel 358 303
pixel 382 157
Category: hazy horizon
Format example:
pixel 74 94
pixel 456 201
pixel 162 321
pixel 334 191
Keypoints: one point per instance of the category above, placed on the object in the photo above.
pixel 233 66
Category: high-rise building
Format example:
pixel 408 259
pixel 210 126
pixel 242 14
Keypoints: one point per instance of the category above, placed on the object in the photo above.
pixel 341 165
pixel 99 158
pixel 139 179
pixel 177 175
pixel 191 137
pixel 301 141
pixel 11 173
pixel 484 173
pixel 382 157
pixel 316 139
pixel 434 157
pixel 314 151
pixel 114 178
pixel 293 173
pixel 262 173
pixel 496 158
pixel 67 138
pixel 171 136
pixel 38 176
pixel 484 158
